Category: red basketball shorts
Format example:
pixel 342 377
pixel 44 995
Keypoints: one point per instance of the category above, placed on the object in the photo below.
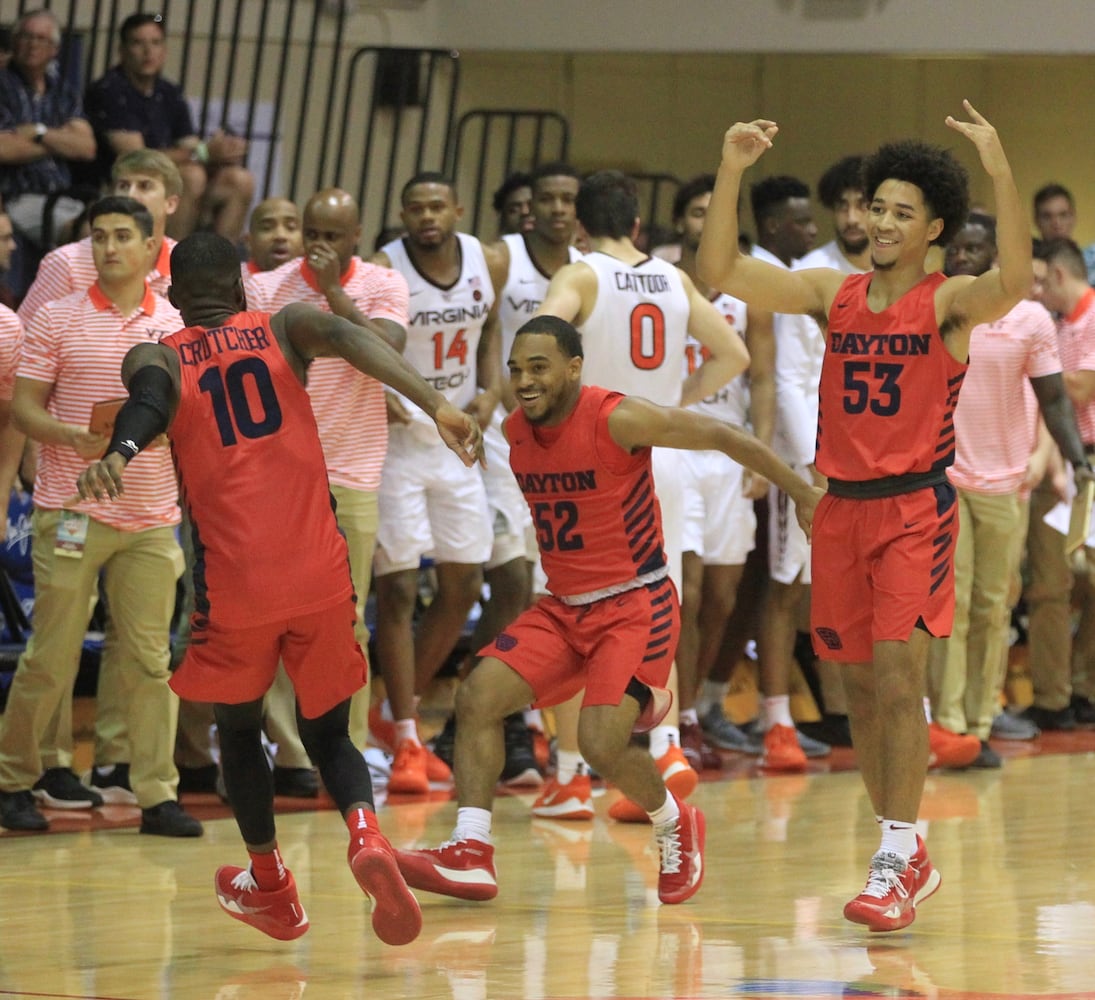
pixel 233 666
pixel 559 648
pixel 880 567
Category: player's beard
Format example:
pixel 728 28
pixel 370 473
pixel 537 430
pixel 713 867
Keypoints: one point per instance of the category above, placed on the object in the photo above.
pixel 853 249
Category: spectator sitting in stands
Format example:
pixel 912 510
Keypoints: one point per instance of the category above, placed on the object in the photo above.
pixel 42 128
pixel 132 105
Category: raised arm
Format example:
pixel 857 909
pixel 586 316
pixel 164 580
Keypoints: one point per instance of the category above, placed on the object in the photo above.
pixel 993 293
pixel 719 260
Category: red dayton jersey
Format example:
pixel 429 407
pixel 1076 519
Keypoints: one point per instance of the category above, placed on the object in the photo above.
pixel 888 386
pixel 598 523
pixel 253 479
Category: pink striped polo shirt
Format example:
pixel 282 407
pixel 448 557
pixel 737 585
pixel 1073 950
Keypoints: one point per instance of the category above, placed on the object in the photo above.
pixel 11 346
pixel 993 425
pixel 77 345
pixel 348 406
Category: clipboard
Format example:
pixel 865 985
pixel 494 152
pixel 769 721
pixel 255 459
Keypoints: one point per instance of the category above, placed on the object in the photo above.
pixel 104 414
pixel 1079 523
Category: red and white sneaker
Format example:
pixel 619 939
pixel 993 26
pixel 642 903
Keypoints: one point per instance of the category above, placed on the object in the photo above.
pixel 573 801
pixel 680 850
pixel 679 778
pixel 947 749
pixel 397 918
pixel 927 879
pixel 460 868
pixel 782 751
pixel 886 902
pixel 276 912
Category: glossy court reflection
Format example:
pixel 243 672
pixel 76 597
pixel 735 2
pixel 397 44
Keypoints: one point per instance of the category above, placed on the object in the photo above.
pixel 114 915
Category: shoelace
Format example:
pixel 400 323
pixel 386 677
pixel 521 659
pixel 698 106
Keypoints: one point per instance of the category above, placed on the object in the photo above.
pixel 245 881
pixel 669 847
pixel 881 881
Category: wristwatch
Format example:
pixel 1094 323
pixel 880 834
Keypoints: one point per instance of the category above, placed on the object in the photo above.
pixel 39 132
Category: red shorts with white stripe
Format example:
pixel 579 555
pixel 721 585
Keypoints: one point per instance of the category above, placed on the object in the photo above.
pixel 559 648
pixel 880 568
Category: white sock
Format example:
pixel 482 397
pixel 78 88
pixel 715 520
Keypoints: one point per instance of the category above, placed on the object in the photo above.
pixel 712 693
pixel 472 824
pixel 407 729
pixel 668 812
pixel 898 837
pixel 928 710
pixel 777 711
pixel 690 716
pixel 568 764
pixel 662 738
pixel 534 719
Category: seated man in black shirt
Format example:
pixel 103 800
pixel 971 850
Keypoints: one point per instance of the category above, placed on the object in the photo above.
pixel 132 105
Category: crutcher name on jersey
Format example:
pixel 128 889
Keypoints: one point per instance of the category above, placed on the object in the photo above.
pixel 906 344
pixel 626 281
pixel 454 314
pixel 538 483
pixel 221 339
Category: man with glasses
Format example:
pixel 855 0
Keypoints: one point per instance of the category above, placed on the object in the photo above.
pixel 42 128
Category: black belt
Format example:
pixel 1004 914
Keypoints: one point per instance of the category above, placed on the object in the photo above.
pixel 886 486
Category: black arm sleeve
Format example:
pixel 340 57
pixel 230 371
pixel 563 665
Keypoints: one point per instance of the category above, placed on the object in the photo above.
pixel 146 413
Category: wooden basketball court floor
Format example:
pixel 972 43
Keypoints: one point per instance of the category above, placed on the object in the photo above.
pixel 102 912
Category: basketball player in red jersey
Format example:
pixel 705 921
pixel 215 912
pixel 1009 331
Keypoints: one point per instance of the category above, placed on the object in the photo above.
pixel 896 349
pixel 581 456
pixel 271 568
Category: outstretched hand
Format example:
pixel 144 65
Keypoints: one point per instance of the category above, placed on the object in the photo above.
pixel 462 433
pixel 981 133
pixel 745 142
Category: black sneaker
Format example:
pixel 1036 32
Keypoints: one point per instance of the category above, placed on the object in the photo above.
pixel 987 758
pixel 520 769
pixel 1050 719
pixel 1083 711
pixel 18 812
pixel 443 744
pixel 59 788
pixel 296 782
pixel 168 820
pixel 112 783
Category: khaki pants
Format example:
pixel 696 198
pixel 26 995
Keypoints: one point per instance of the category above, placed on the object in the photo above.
pixel 1048 596
pixel 965 670
pixel 358 518
pixel 139 573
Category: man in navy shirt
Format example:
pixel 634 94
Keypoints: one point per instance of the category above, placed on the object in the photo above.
pixel 132 105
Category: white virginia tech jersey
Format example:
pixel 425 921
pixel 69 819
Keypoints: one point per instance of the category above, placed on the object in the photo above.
pixel 526 286
pixel 635 337
pixel 445 324
pixel 730 404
